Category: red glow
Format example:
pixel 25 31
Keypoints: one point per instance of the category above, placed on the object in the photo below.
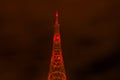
pixel 56 13
pixel 59 57
pixel 57 38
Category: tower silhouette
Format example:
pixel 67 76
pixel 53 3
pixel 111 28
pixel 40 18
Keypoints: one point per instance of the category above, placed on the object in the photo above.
pixel 57 70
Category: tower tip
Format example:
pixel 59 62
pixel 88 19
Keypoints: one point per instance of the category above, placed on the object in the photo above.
pixel 56 13
pixel 57 18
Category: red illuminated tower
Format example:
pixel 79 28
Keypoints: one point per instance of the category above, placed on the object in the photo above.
pixel 57 70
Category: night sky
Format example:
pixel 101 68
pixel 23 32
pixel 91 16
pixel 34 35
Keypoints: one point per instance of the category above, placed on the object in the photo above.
pixel 90 37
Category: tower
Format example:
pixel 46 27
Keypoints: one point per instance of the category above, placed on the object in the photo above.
pixel 57 70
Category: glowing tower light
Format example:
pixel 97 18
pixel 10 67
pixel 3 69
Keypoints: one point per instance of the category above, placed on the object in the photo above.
pixel 57 70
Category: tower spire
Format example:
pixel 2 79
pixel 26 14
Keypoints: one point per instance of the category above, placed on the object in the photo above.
pixel 57 70
pixel 57 15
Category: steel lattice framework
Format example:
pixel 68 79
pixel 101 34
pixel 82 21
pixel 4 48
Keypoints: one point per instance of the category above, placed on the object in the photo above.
pixel 57 70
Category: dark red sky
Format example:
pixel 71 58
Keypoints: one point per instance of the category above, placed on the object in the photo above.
pixel 89 34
